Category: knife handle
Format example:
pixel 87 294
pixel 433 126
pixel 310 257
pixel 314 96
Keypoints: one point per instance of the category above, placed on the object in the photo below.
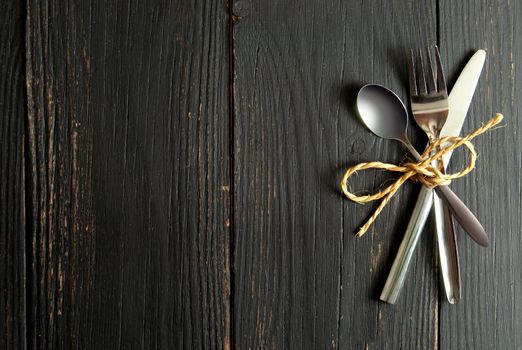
pixel 448 254
pixel 463 215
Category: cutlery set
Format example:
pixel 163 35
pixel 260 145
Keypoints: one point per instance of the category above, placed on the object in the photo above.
pixel 441 117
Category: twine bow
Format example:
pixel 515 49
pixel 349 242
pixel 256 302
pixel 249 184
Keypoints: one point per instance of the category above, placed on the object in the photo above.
pixel 424 171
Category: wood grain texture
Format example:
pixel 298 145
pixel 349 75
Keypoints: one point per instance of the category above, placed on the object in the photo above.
pixel 302 279
pixel 12 196
pixel 146 202
pixel 490 313
pixel 129 173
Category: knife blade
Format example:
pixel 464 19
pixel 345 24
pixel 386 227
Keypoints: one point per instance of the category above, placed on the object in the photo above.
pixel 460 98
pixel 459 102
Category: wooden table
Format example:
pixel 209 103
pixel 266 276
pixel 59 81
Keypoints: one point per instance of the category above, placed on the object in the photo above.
pixel 169 176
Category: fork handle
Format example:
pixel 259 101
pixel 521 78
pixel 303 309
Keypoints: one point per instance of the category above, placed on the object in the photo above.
pixel 463 215
pixel 401 263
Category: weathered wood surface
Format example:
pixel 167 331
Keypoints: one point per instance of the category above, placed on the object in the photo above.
pixel 302 279
pixel 169 176
pixel 490 313
pixel 129 167
pixel 12 201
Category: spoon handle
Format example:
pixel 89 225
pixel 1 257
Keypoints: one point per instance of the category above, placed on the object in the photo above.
pixel 463 215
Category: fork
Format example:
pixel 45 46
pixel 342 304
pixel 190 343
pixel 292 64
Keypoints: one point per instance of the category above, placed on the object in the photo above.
pixel 429 105
pixel 460 212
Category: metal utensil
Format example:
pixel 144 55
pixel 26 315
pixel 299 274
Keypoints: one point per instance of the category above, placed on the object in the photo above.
pixel 429 105
pixel 459 102
pixel 385 115
pixel 429 99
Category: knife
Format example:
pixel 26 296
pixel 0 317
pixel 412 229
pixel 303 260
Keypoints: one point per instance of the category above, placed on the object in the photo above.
pixel 459 101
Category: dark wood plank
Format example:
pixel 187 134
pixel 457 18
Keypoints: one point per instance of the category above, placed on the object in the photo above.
pixel 490 313
pixel 302 279
pixel 129 172
pixel 12 196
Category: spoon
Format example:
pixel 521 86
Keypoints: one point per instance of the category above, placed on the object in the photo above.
pixel 385 115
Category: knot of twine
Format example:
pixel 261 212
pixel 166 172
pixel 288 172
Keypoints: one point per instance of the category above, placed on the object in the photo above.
pixel 423 172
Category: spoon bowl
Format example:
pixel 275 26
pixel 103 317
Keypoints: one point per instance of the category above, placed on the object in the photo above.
pixel 382 111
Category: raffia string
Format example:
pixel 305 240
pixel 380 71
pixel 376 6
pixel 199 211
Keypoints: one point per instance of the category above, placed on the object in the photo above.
pixel 423 171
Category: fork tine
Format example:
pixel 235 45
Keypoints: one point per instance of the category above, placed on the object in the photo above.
pixel 430 78
pixel 411 74
pixel 441 80
pixel 422 79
